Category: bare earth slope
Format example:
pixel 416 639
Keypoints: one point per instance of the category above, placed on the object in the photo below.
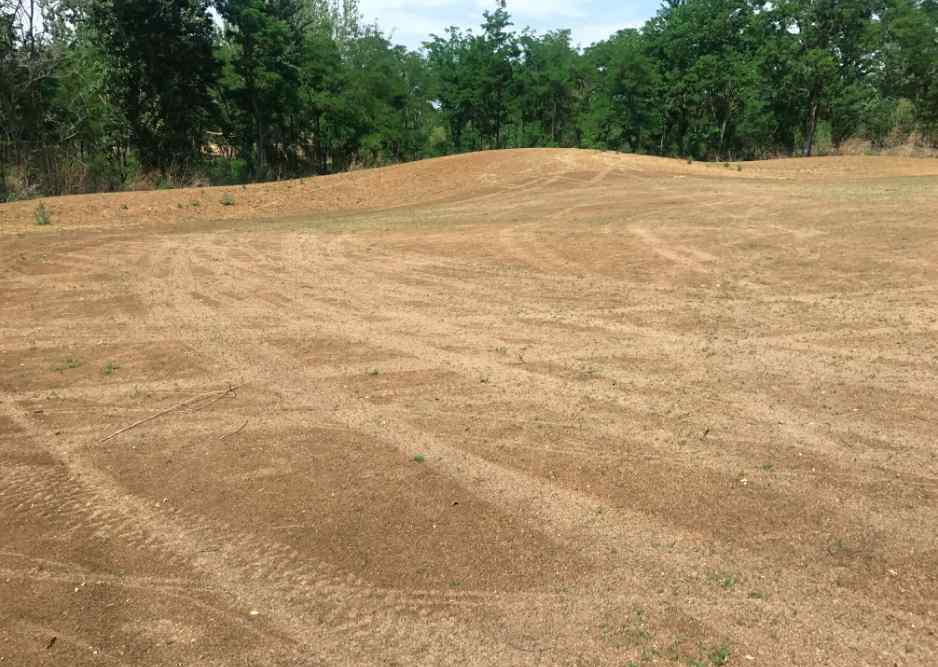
pixel 525 407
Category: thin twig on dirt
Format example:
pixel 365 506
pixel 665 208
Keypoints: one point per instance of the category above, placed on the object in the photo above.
pixel 215 395
pixel 235 432
pixel 220 396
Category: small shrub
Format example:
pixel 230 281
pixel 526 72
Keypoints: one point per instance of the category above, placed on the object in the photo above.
pixel 42 215
pixel 109 368
pixel 225 171
pixel 739 167
pixel 227 200
pixel 719 656
pixel 420 458
pixel 67 365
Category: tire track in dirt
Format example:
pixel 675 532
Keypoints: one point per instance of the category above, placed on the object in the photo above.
pixel 516 488
pixel 385 606
pixel 347 618
pixel 728 462
pixel 676 345
pixel 824 443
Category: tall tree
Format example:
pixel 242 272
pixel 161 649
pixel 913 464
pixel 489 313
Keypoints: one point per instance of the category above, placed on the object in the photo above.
pixel 495 52
pixel 622 110
pixel 263 52
pixel 546 89
pixel 161 70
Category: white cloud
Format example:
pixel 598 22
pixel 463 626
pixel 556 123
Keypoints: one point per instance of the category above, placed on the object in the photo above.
pixel 538 9
pixel 589 33
pixel 410 22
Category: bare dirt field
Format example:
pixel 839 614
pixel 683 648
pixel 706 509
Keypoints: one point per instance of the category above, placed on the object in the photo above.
pixel 525 407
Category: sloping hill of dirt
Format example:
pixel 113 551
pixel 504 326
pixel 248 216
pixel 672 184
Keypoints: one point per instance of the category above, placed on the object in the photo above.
pixel 541 407
pixel 426 182
pixel 417 183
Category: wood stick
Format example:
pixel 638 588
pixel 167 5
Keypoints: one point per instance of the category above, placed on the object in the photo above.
pixel 212 394
pixel 231 389
pixel 235 432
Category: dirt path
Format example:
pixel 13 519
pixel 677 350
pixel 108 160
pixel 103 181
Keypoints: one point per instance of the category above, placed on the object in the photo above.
pixel 527 407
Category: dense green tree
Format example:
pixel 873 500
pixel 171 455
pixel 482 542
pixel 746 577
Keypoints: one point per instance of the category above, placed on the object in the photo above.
pixel 450 74
pixel 546 90
pixel 910 56
pixel 706 50
pixel 820 57
pixel 160 74
pixel 493 56
pixel 263 53
pixel 622 109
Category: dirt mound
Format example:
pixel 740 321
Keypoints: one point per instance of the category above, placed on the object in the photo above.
pixel 443 179
pixel 420 183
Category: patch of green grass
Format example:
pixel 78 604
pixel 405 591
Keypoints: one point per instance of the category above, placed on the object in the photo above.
pixel 374 371
pixel 719 655
pixel 723 580
pixel 227 200
pixel 42 215
pixel 716 657
pixel 109 368
pixel 124 207
pixel 67 364
pixel 757 595
pixel 420 458
pixel 838 547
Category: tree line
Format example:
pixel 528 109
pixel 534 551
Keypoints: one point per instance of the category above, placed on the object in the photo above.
pixel 103 94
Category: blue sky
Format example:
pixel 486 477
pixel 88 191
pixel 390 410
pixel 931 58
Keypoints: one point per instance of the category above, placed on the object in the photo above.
pixel 410 22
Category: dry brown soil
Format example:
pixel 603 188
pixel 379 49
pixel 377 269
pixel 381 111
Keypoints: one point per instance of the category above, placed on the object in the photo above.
pixel 528 407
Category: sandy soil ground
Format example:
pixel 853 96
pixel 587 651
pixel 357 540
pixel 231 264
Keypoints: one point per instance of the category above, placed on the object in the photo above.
pixel 528 407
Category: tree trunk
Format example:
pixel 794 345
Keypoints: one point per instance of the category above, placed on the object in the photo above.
pixel 259 149
pixel 810 127
pixel 722 138
pixel 553 124
pixel 317 146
